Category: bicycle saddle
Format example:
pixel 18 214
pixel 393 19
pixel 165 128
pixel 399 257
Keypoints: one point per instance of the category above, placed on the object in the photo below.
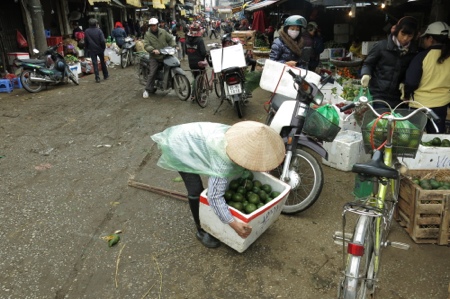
pixel 376 167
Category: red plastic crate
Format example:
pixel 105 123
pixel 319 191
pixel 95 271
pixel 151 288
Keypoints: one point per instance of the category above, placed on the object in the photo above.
pixel 54 40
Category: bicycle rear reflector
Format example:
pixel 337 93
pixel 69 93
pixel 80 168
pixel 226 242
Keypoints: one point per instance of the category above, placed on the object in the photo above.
pixel 355 249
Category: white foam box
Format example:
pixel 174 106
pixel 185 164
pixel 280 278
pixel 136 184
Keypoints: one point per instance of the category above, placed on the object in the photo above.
pixel 345 150
pixel 367 46
pixel 430 157
pixel 259 220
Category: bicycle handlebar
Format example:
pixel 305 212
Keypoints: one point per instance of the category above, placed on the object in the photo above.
pixel 364 101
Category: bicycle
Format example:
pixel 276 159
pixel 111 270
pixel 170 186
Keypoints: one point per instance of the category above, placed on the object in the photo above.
pixel 204 83
pixel 389 134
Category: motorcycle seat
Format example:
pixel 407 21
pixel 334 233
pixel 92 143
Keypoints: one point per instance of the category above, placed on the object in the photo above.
pixel 279 99
pixel 34 61
pixel 231 69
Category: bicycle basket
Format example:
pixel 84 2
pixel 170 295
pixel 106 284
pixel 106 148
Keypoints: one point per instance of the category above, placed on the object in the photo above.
pixel 406 137
pixel 316 125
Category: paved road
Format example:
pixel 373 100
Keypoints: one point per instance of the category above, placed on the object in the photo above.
pixel 67 155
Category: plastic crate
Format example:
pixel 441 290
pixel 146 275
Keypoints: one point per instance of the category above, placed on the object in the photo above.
pixel 316 125
pixel 53 41
pixel 425 214
pixel 259 220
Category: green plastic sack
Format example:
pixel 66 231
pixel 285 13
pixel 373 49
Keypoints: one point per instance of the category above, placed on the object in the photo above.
pixel 330 113
pixel 363 91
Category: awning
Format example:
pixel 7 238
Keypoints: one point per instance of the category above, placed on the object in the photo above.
pixel 135 3
pixel 158 4
pixel 262 4
pixel 110 2
pixel 224 10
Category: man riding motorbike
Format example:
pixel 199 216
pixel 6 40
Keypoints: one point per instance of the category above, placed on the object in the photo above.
pixel 155 39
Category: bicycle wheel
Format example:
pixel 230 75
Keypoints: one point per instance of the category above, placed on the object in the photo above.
pixel 358 282
pixel 201 91
pixel 218 86
pixel 182 87
pixel 305 179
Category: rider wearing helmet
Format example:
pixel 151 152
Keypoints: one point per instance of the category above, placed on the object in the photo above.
pixel 95 45
pixel 287 48
pixel 154 40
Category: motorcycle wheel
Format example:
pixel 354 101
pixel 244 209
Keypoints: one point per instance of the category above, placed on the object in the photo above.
pixel 124 59
pixel 306 181
pixel 29 86
pixel 131 58
pixel 182 87
pixel 239 105
pixel 72 76
pixel 201 91
pixel 218 86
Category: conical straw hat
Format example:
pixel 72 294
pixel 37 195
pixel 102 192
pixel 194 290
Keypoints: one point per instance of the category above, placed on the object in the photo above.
pixel 254 146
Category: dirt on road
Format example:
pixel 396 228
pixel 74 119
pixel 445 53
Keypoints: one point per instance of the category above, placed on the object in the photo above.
pixel 67 154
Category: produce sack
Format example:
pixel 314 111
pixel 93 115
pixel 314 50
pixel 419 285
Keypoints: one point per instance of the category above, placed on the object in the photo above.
pixel 330 113
pixel 183 149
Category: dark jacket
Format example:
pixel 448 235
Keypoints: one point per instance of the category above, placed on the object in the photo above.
pixel 119 35
pixel 195 50
pixel 281 53
pixel 387 65
pixel 94 41
pixel 157 41
pixel 316 43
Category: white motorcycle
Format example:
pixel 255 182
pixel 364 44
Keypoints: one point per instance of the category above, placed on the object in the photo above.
pixel 301 127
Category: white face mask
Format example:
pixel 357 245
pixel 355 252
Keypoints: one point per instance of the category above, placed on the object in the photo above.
pixel 293 33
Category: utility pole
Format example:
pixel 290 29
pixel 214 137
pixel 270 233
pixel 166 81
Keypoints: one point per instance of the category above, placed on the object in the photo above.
pixel 37 22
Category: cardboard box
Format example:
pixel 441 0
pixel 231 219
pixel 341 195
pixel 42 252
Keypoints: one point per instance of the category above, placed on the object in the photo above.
pixel 246 37
pixel 425 214
pixel 367 46
pixel 346 150
pixel 430 157
pixel 75 68
pixel 259 220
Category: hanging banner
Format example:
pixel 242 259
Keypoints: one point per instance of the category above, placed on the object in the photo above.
pixel 135 3
pixel 158 4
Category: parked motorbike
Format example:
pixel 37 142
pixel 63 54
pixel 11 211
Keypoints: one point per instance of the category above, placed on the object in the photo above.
pixel 232 82
pixel 37 73
pixel 126 55
pixel 169 75
pixel 289 117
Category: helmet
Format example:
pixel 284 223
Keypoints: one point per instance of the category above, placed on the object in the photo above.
pixel 92 22
pixel 153 21
pixel 295 20
pixel 312 25
pixel 437 28
pixel 195 31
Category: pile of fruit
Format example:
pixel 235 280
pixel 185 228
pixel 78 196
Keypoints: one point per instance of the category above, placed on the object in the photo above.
pixel 342 104
pixel 438 142
pixel 432 184
pixel 247 195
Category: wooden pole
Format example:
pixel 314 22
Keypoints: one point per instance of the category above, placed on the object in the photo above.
pixel 165 192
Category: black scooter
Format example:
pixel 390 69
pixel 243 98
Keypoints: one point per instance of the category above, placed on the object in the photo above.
pixel 37 73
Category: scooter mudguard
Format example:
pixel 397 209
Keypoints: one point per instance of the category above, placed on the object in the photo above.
pixel 177 70
pixel 313 145
pixel 283 116
pixel 171 61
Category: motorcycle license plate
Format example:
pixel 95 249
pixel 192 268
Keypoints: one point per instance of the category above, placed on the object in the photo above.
pixel 234 89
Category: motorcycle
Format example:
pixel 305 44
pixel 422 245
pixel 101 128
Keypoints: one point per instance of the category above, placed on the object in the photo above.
pixel 169 75
pixel 289 117
pixel 37 73
pixel 126 55
pixel 232 81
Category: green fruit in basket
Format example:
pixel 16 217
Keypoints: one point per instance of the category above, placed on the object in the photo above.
pixel 257 183
pixel 413 143
pixel 436 141
pixel 241 190
pixel 228 195
pixel 267 188
pixel 434 184
pixel 274 194
pixel 247 175
pixel 263 195
pixel 247 184
pixel 254 199
pixel 237 197
pixel 445 143
pixel 234 184
pixel 261 204
pixel 250 208
pixel 256 189
pixel 403 139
